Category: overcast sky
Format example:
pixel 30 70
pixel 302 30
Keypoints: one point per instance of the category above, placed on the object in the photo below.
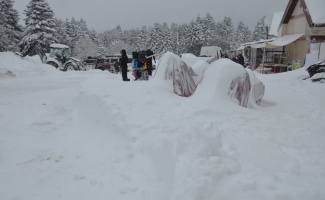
pixel 107 14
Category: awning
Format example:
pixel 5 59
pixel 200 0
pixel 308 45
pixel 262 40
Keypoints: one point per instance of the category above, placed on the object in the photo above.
pixel 287 39
pixel 278 42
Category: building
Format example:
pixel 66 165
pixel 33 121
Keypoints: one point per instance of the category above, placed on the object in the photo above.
pixel 293 33
pixel 306 17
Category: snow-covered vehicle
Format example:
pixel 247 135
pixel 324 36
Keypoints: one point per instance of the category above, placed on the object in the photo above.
pixel 317 71
pixel 60 57
pixel 210 51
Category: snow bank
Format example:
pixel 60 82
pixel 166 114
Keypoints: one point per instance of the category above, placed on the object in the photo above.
pixel 148 145
pixel 12 65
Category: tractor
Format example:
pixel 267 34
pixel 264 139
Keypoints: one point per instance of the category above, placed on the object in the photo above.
pixel 59 56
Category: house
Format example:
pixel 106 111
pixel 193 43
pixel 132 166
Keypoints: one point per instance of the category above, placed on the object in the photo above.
pixel 306 17
pixel 292 34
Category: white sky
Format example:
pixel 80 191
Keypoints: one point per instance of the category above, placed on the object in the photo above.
pixel 107 14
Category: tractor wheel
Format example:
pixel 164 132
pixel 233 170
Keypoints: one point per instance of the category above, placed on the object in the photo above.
pixel 53 64
pixel 70 67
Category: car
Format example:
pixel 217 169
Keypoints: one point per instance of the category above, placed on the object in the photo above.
pixel 90 63
pixel 105 63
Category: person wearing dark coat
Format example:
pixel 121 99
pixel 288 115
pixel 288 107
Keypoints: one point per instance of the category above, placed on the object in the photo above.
pixel 151 56
pixel 124 65
pixel 241 60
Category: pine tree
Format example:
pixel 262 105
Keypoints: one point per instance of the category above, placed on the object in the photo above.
pixel 155 38
pixel 225 32
pixel 166 38
pixel 11 31
pixel 4 38
pixel 61 33
pixel 196 36
pixel 40 24
pixel 182 43
pixel 143 37
pixel 260 31
pixel 209 28
pixel 72 32
pixel 239 35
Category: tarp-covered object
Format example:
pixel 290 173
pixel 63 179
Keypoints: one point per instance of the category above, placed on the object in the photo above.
pixel 222 78
pixel 171 67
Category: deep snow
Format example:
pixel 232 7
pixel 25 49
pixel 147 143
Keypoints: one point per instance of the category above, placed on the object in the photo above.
pixel 89 135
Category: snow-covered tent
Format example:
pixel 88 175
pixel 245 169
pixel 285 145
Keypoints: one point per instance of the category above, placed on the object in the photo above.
pixel 233 81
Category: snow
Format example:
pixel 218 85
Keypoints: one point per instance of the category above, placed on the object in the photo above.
pixel 276 20
pixel 59 46
pixel 89 135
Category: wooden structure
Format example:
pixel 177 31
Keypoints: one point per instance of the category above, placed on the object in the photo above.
pixel 302 23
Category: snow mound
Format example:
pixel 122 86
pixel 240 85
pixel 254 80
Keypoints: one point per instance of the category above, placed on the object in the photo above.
pixel 12 65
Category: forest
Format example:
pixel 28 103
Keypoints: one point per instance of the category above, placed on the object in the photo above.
pixel 42 25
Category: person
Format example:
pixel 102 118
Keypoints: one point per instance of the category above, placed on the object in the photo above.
pixel 117 66
pixel 151 56
pixel 124 65
pixel 234 58
pixel 240 59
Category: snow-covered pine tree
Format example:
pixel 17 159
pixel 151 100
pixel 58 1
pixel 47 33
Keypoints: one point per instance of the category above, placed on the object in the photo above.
pixel 4 39
pixel 82 28
pixel 143 38
pixel 61 33
pixel 183 43
pixel 260 31
pixel 195 36
pixel 166 38
pixel 93 35
pixel 239 35
pixel 174 32
pixel 130 37
pixel 247 34
pixel 40 25
pixel 72 32
pixel 85 47
pixel 155 38
pixel 11 31
pixel 209 29
pixel 225 32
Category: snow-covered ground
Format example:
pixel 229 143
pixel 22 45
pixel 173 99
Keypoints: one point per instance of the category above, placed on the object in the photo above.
pixel 89 135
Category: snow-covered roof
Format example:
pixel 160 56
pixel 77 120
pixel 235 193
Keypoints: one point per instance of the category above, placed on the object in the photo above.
pixel 278 42
pixel 276 20
pixel 60 46
pixel 316 10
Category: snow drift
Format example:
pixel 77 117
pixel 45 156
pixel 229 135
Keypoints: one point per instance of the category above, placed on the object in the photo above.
pixel 13 65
